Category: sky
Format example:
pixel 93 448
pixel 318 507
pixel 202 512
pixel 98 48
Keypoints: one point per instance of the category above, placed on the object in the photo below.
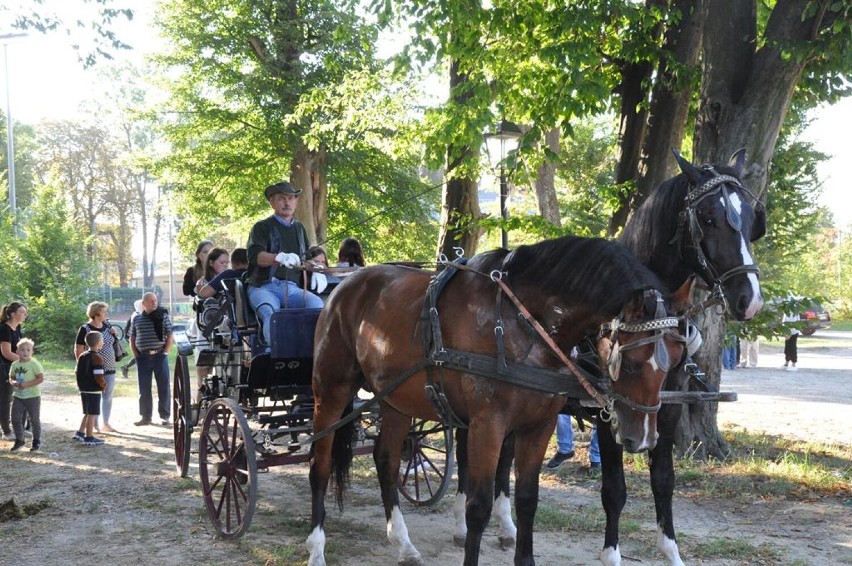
pixel 46 81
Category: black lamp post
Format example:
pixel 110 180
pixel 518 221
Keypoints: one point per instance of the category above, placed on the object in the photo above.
pixel 506 132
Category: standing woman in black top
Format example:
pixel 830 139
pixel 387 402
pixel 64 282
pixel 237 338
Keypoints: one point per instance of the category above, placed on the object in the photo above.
pixel 11 317
pixel 196 272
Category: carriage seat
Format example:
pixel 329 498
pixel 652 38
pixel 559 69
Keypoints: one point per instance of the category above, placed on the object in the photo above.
pixel 243 313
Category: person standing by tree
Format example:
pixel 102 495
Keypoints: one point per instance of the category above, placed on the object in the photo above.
pixel 150 340
pixel 11 318
pixel 97 313
pixel 276 246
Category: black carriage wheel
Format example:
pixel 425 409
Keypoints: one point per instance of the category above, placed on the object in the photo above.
pixel 182 423
pixel 427 463
pixel 227 465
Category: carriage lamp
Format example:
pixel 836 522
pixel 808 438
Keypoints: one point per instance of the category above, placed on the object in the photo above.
pixel 508 134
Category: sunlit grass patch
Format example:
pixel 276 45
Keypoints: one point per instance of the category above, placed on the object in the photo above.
pixel 771 466
pixel 734 549
pixel 550 517
pixel 292 555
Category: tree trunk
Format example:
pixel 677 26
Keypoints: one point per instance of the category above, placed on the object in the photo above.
pixel 746 93
pixel 545 187
pixel 671 99
pixel 307 172
pixel 460 200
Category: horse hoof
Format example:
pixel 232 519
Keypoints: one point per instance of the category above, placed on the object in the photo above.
pixel 459 541
pixel 411 561
pixel 506 543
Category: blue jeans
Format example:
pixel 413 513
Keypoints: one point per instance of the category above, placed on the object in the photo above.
pixel 565 439
pixel 158 365
pixel 106 397
pixel 271 297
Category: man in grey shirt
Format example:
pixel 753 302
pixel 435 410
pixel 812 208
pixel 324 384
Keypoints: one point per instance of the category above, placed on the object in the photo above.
pixel 150 340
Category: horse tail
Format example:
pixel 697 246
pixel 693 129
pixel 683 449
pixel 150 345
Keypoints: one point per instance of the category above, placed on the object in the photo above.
pixel 341 456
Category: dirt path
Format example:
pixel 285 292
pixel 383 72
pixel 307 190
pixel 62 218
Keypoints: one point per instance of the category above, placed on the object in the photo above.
pixel 122 504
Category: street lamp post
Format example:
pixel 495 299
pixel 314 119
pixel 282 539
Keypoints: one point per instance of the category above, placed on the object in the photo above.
pixel 508 133
pixel 10 137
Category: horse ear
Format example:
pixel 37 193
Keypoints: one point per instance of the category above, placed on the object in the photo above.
pixel 690 170
pixel 737 161
pixel 682 299
pixel 758 229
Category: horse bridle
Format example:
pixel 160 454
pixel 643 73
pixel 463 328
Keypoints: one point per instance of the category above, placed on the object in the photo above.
pixel 689 221
pixel 661 325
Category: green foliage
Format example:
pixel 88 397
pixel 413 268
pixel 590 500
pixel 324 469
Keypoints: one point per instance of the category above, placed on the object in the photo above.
pixel 50 266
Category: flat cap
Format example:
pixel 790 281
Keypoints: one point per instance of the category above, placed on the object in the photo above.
pixel 283 187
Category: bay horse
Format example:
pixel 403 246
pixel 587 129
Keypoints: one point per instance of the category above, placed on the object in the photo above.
pixel 700 222
pixel 371 333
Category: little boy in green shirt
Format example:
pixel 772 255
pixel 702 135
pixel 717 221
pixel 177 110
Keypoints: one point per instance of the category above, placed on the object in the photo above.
pixel 26 376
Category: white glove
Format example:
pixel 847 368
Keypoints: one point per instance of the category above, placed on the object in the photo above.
pixel 288 260
pixel 318 282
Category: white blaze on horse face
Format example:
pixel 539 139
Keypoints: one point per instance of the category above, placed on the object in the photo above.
pixel 669 548
pixel 649 438
pixel 398 535
pixel 756 298
pixel 316 546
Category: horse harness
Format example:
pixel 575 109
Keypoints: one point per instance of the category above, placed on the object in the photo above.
pixel 564 381
pixel 688 222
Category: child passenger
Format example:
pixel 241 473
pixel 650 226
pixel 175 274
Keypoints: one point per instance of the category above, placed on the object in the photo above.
pixel 26 376
pixel 91 383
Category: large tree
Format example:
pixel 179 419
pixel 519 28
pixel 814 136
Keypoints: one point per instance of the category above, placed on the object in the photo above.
pixel 721 73
pixel 264 90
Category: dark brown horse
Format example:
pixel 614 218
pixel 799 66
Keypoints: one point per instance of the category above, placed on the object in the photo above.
pixel 371 332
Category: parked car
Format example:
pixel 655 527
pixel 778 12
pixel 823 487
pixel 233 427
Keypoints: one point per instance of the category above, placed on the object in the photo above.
pixel 816 317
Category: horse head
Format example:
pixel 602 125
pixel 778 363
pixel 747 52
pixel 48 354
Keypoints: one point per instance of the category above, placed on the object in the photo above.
pixel 637 350
pixel 720 219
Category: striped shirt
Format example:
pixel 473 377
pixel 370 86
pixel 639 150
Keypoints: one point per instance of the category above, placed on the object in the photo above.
pixel 145 336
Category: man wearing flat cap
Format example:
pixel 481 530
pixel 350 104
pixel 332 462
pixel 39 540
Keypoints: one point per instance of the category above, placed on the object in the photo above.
pixel 277 245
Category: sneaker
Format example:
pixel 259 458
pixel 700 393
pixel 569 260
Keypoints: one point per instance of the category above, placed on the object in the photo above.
pixel 791 368
pixel 165 422
pixel 78 436
pixel 558 459
pixel 125 371
pixel 18 445
pixel 92 441
pixel 36 445
pixel 594 469
pixel 143 422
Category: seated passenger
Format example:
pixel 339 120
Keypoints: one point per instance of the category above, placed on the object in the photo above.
pixel 276 246
pixel 350 254
pixel 318 257
pixel 216 262
pixel 239 264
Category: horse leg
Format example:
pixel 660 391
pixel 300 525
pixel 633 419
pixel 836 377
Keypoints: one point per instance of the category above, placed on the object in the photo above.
pixel 662 482
pixel 486 437
pixel 502 511
pixel 460 503
pixel 387 455
pixel 531 448
pixel 613 491
pixel 324 452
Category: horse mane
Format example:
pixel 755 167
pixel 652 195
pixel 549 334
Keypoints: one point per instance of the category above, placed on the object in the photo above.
pixel 591 271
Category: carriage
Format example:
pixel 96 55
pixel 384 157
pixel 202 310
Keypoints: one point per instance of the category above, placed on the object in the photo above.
pixel 255 408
